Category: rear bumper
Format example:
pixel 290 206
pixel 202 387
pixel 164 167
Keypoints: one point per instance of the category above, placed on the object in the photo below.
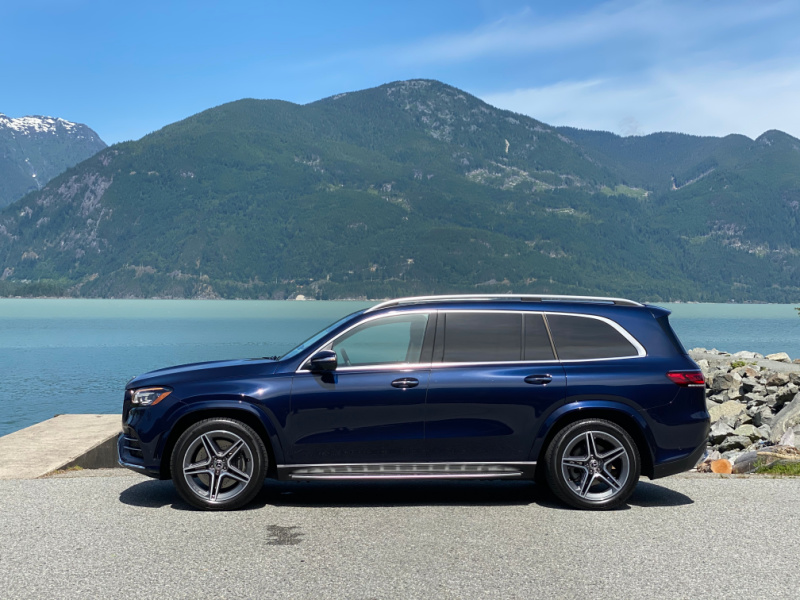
pixel 679 465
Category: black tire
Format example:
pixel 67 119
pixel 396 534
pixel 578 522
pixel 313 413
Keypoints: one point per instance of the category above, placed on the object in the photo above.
pixel 592 464
pixel 219 464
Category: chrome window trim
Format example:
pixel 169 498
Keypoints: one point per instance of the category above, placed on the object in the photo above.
pixel 640 350
pixel 393 313
pixel 399 367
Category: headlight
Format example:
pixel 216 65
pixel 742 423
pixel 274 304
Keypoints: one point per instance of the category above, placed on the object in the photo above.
pixel 150 396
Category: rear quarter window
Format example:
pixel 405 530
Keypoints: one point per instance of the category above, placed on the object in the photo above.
pixel 581 338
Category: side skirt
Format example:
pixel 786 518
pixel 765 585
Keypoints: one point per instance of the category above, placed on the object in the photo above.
pixel 470 470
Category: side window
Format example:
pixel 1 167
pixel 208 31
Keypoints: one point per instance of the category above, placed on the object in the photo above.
pixel 537 341
pixel 482 337
pixel 578 338
pixel 388 340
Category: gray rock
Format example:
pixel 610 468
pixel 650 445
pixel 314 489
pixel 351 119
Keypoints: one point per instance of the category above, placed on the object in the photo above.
pixel 732 455
pixel 786 419
pixel 785 394
pixel 729 382
pixel 719 398
pixel 719 431
pixel 727 409
pixel 770 400
pixel 734 442
pixel 729 420
pixel 751 385
pixel 752 398
pixel 747 371
pixel 746 463
pixel 762 417
pixel 779 357
pixel 787 439
pixel 744 354
pixel 748 431
pixel 743 419
pixel 703 364
pixel 764 431
pixel 778 379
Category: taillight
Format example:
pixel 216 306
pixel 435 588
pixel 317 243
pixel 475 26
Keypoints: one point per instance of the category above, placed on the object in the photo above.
pixel 686 378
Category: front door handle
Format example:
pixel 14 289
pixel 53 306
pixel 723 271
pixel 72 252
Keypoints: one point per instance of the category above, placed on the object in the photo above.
pixel 538 379
pixel 405 382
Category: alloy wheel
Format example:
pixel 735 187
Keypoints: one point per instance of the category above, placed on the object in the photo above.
pixel 217 466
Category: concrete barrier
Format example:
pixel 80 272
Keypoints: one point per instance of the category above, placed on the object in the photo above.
pixel 87 441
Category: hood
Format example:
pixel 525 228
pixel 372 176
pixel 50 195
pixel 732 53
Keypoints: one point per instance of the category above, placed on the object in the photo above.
pixel 217 369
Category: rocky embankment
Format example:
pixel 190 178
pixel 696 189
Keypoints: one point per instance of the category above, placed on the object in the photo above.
pixel 754 403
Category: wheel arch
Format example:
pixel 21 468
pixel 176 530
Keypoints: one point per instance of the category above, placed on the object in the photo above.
pixel 238 412
pixel 621 415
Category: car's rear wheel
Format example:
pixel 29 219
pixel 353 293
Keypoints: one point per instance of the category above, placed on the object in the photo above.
pixel 219 464
pixel 592 464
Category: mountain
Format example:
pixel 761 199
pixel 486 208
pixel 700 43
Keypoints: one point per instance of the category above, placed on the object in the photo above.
pixel 410 187
pixel 35 149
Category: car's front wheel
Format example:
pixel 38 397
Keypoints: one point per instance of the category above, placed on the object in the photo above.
pixel 592 464
pixel 219 464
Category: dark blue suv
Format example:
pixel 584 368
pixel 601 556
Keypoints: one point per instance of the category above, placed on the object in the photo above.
pixel 583 393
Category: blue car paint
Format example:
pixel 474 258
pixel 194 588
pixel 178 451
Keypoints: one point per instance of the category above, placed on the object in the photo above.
pixel 438 421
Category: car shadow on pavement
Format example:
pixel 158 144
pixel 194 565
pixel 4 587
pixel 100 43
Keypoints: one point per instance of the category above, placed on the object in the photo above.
pixel 157 494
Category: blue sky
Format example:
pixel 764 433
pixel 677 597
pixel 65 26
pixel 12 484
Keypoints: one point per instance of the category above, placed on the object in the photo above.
pixel 125 69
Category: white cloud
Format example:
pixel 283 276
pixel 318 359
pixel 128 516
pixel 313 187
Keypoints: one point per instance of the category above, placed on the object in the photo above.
pixel 708 100
pixel 656 22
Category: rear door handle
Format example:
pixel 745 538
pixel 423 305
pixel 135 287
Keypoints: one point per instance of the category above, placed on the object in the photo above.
pixel 538 379
pixel 405 382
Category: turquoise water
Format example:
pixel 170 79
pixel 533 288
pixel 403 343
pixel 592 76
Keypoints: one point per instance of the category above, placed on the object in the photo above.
pixel 74 356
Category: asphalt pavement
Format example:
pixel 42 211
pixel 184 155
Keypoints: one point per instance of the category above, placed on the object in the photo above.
pixel 116 534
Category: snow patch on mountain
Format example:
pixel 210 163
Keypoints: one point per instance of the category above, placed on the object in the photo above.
pixel 36 124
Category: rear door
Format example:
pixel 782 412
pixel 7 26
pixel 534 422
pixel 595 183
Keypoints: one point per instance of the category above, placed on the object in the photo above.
pixel 494 377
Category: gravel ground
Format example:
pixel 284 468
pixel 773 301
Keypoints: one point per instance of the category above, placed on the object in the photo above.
pixel 115 534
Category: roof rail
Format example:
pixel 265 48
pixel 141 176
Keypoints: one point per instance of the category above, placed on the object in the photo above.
pixel 489 297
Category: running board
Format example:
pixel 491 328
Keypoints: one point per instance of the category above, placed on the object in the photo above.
pixel 471 470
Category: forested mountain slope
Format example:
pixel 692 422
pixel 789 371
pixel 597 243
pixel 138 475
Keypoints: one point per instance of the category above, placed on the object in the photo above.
pixel 411 187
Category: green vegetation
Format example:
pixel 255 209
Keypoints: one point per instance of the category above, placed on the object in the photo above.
pixel 409 189
pixel 780 468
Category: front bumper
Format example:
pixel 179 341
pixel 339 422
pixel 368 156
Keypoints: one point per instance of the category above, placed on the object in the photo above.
pixel 130 455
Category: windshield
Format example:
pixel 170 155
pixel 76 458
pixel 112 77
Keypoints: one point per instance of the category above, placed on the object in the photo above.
pixel 317 337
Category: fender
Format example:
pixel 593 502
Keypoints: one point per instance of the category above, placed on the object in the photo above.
pixel 573 411
pixel 230 406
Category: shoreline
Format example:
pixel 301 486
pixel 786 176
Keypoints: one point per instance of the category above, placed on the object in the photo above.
pixel 362 299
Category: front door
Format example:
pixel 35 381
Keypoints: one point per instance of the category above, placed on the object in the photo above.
pixel 371 408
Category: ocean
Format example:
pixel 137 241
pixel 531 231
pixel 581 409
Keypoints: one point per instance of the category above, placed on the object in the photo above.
pixel 75 356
